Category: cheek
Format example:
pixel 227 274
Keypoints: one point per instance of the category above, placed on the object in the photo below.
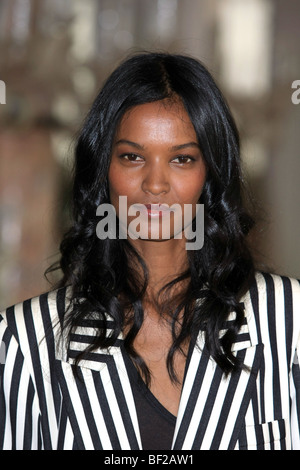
pixel 120 185
pixel 117 184
pixel 191 189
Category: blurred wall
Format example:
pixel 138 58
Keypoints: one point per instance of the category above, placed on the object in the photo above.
pixel 54 54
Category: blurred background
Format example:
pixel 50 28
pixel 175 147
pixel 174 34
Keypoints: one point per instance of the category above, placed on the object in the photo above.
pixel 54 55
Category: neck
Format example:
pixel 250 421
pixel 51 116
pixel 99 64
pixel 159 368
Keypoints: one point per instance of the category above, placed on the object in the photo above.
pixel 165 261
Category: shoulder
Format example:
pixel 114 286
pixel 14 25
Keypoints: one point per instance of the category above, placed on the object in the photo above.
pixel 35 315
pixel 33 323
pixel 274 291
pixel 272 307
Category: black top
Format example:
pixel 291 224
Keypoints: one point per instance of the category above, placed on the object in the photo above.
pixel 156 423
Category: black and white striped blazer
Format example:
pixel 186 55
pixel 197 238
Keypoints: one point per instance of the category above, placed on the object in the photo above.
pixel 43 406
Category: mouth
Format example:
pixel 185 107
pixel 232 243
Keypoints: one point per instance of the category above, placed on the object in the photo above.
pixel 153 210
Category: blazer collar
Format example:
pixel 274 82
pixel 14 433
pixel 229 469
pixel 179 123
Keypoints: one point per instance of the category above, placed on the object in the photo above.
pixel 85 334
pixel 212 406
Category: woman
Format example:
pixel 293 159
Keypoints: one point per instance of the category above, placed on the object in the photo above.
pixel 146 344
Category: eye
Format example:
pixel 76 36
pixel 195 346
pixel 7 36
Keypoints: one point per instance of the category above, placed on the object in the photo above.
pixel 131 157
pixel 182 159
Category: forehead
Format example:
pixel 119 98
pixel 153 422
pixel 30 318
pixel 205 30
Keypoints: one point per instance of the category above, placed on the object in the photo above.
pixel 160 118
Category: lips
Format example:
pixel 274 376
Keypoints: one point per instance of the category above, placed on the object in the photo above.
pixel 153 210
pixel 157 210
pixel 157 207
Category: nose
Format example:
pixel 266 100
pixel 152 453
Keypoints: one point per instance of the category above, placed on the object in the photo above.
pixel 155 180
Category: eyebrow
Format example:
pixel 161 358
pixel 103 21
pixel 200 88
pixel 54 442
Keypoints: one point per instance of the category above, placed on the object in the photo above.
pixel 174 148
pixel 129 142
pixel 183 146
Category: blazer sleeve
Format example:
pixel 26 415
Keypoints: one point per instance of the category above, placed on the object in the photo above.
pixel 19 408
pixel 295 399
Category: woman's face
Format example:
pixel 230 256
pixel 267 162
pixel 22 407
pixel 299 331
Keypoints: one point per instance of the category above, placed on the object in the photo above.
pixel 156 162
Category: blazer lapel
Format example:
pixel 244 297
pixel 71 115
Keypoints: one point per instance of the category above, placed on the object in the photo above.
pixel 99 399
pixel 213 406
pixel 101 408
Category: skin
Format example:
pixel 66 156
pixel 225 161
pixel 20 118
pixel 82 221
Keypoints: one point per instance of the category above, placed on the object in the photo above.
pixel 156 159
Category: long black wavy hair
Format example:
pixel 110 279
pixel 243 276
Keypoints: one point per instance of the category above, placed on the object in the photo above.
pixel 98 271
